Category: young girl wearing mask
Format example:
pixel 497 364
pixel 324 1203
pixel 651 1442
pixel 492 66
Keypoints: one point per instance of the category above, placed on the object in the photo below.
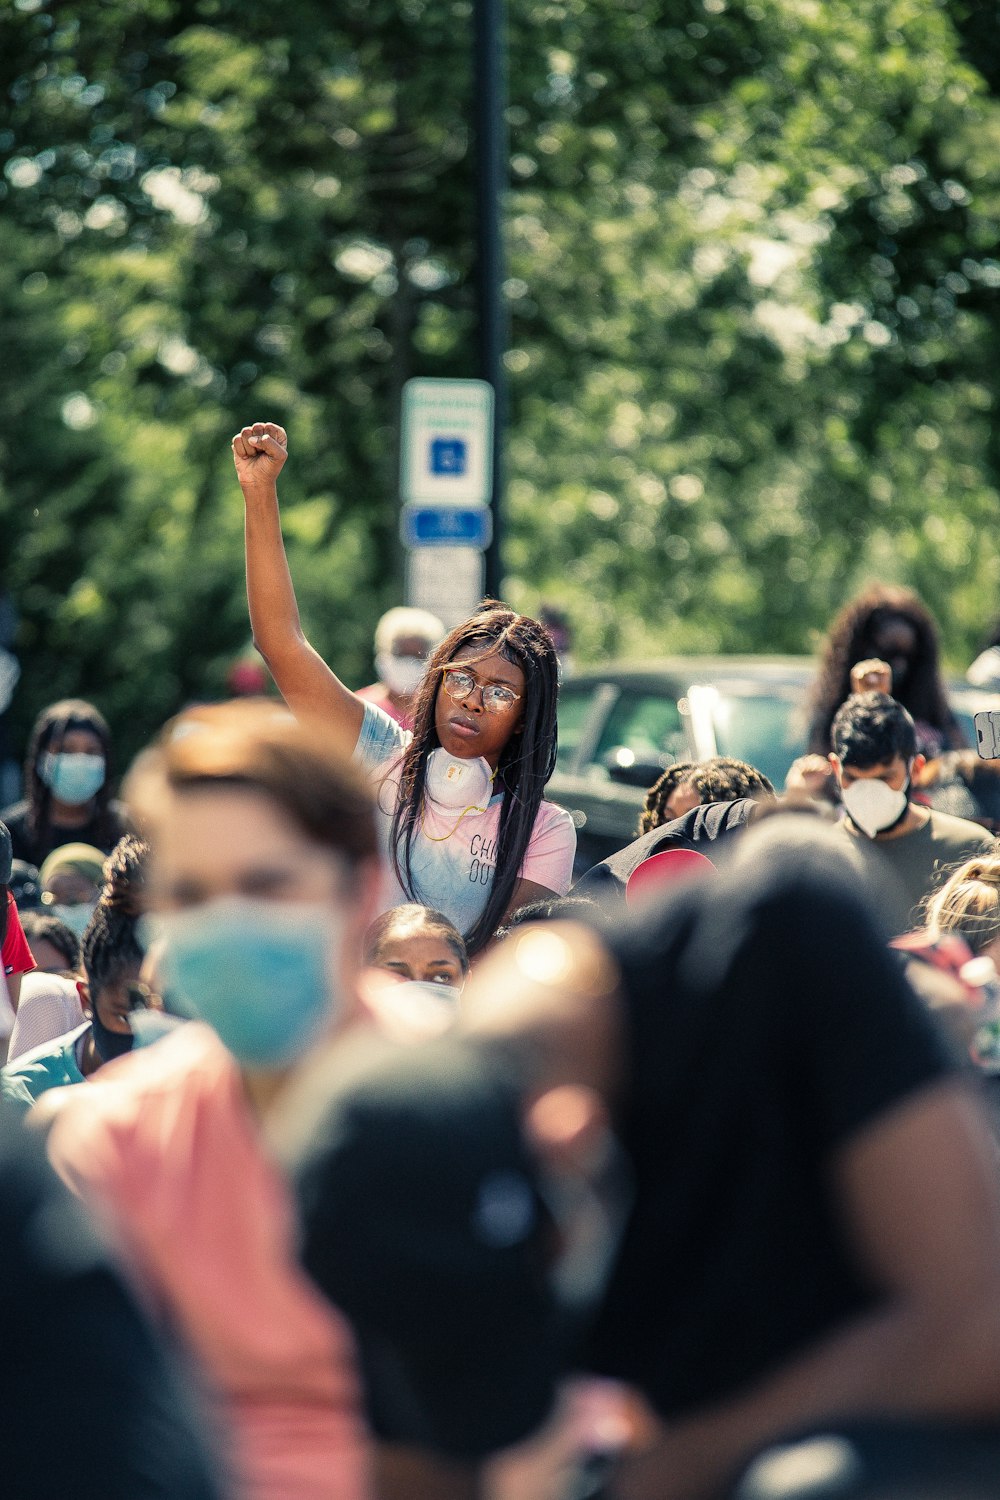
pixel 427 959
pixel 464 823
pixel 67 780
pixel 263 871
pixel 112 957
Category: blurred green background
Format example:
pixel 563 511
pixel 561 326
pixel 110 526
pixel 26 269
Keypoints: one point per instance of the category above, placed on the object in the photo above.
pixel 754 286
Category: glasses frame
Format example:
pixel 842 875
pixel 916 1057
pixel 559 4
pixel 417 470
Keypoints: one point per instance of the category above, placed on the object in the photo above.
pixel 449 668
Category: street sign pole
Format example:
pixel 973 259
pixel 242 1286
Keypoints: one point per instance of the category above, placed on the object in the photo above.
pixel 491 175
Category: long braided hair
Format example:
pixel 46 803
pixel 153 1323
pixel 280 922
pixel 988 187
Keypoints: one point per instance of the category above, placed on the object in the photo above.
pixel 111 946
pixel 48 732
pixel 526 761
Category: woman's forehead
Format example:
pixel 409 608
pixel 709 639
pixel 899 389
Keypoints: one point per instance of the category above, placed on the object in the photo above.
pixel 491 662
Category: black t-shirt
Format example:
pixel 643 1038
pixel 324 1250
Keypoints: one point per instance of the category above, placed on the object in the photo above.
pixel 102 832
pixel 767 1026
pixel 708 829
pixel 91 1405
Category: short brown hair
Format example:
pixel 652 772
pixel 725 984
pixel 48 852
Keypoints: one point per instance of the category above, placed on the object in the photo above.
pixel 298 763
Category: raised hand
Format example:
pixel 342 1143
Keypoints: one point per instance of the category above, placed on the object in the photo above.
pixel 871 676
pixel 259 453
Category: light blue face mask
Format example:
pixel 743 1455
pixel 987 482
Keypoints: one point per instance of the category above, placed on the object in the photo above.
pixel 77 918
pixel 259 973
pixel 73 778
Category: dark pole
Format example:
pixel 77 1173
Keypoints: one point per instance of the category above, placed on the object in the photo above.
pixel 491 178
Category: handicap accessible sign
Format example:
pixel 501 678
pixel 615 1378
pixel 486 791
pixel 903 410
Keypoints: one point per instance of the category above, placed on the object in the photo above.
pixel 446 452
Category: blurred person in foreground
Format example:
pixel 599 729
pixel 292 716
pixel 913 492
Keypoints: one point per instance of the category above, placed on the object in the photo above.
pixel 93 1407
pixel 404 639
pixel 67 784
pixel 263 878
pixel 810 1237
pixel 905 849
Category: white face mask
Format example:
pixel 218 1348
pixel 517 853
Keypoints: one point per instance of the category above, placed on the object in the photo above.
pixel 874 805
pixel 459 783
pixel 427 989
pixel 401 674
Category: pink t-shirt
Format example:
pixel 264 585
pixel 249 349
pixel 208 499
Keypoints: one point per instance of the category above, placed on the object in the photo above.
pixel 164 1145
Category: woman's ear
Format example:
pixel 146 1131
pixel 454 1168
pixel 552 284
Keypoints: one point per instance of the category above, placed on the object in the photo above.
pixel 83 990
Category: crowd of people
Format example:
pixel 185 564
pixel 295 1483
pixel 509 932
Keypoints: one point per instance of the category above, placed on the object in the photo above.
pixel 359 1145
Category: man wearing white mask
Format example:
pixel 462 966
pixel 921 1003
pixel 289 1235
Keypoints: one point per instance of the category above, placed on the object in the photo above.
pixel 905 849
pixel 404 638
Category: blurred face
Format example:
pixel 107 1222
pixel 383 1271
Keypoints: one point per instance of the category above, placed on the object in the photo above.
pixel 467 728
pixel 215 843
pixel 112 1002
pixel 77 742
pixel 895 640
pixel 682 799
pixel 413 646
pixel 48 957
pixel 69 888
pixel 420 955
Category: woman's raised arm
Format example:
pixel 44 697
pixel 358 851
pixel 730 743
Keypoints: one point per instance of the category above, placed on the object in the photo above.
pixel 304 680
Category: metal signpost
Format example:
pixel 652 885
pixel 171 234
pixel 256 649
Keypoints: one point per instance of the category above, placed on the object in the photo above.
pixel 446 481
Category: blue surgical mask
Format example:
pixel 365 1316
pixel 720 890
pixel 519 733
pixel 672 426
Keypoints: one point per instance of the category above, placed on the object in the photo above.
pixel 77 918
pixel 73 778
pixel 260 973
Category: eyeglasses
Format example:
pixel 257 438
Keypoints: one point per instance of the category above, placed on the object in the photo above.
pixel 460 685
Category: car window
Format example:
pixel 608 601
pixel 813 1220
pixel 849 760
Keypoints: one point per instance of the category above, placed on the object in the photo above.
pixel 649 725
pixel 768 732
pixel 575 703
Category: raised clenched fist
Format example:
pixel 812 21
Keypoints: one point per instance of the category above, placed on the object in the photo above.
pixel 259 453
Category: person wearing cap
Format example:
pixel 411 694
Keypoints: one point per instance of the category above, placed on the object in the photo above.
pixel 71 878
pixel 404 639
pixel 15 955
pixel 813 1237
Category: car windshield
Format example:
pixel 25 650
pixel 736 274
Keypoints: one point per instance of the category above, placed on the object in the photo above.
pixel 768 731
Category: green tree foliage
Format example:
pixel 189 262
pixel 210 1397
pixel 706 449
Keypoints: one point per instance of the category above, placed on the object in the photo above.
pixel 752 282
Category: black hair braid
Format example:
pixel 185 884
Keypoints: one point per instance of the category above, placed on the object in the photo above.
pixel 110 944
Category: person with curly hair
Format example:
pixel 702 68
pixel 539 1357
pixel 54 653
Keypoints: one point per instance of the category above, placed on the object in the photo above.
pixel 891 625
pixel 689 784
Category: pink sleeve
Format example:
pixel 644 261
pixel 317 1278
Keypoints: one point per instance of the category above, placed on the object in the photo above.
pixel 549 859
pixel 17 957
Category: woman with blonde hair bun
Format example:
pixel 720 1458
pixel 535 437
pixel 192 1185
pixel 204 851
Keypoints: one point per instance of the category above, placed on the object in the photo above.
pixel 968 904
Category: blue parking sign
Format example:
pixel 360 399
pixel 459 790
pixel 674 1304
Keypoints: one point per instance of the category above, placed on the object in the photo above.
pixel 448 456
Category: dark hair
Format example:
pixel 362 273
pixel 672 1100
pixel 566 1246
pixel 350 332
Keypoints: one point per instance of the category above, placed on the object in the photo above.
pixel 718 779
pixel 526 761
pixel 39 927
pixel 110 944
pixel 50 728
pixel 871 729
pixel 257 745
pixel 551 909
pixel 401 920
pixel 851 639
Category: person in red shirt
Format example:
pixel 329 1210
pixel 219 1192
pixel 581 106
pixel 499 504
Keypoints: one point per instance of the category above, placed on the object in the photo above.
pixel 14 951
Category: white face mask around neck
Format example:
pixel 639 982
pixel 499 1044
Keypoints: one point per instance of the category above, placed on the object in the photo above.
pixel 452 782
